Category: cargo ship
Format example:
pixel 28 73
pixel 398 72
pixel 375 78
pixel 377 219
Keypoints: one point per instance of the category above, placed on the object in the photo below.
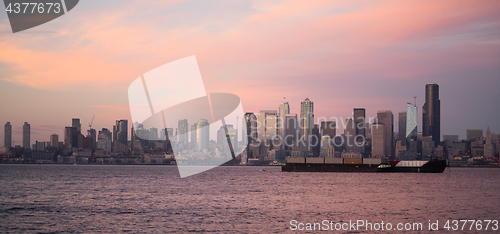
pixel 301 164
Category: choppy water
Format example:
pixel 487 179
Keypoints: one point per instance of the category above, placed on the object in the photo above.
pixel 86 199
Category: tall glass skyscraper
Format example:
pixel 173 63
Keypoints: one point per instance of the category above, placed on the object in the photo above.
pixel 431 113
pixel 283 111
pixel 203 134
pixel 306 123
pixel 411 123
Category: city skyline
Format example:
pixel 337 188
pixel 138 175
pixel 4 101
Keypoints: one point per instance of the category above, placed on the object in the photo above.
pixel 357 113
pixel 339 54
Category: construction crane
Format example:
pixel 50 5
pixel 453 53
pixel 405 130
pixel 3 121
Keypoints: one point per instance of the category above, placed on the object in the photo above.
pixel 90 124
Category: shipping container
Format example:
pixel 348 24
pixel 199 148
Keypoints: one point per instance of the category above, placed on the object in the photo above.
pixel 373 161
pixel 315 160
pixel 414 163
pixel 295 160
pixel 353 161
pixel 333 160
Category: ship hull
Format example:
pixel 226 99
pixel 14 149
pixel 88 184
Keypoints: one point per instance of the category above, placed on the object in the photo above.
pixel 325 167
pixel 434 166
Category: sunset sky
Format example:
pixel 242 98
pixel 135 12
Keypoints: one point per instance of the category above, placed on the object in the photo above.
pixel 340 54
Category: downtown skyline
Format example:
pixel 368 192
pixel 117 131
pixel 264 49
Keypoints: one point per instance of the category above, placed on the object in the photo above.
pixel 341 124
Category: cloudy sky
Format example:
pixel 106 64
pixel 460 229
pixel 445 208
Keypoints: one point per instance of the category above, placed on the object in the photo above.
pixel 341 54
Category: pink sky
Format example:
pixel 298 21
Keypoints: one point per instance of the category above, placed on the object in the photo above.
pixel 340 54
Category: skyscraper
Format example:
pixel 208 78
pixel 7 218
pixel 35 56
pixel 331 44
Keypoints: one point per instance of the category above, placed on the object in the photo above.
pixel 387 119
pixel 120 131
pixel 283 111
pixel 7 142
pixel 290 131
pixel 431 113
pixel 306 123
pixel 92 135
pixel 54 140
pixel 75 122
pixel 488 147
pixel 359 121
pixel 474 134
pixel 329 128
pixel 120 136
pixel 26 135
pixel 267 124
pixel 104 140
pixel 402 127
pixel 251 123
pixel 378 144
pixel 182 131
pixel 77 137
pixel 194 129
pixel 70 138
pixel 203 134
pixel 350 134
pixel 411 123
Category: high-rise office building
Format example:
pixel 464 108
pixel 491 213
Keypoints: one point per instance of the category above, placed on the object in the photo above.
pixel 7 142
pixel 350 134
pixel 387 119
pixel 489 150
pixel 26 135
pixel 120 131
pixel 306 123
pixel 431 113
pixel 92 135
pixel 68 137
pixel 72 138
pixel 378 144
pixel 474 134
pixel 202 134
pixel 54 140
pixel 222 137
pixel 192 135
pixel 283 111
pixel 104 140
pixel 75 122
pixel 402 127
pixel 359 121
pixel 77 136
pixel 411 123
pixel 267 124
pixel 250 121
pixel 120 136
pixel 290 131
pixel 329 128
pixel 182 131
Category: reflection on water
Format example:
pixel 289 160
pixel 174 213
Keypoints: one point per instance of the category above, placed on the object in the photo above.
pixel 66 198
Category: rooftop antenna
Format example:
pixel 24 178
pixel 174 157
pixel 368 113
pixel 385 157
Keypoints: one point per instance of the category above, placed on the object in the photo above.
pixel 415 97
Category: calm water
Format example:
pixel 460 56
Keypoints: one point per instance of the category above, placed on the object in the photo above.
pixel 153 199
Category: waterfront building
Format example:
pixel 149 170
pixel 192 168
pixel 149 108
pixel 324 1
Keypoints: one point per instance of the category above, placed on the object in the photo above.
pixel 385 117
pixel 378 144
pixel 26 135
pixel 7 141
pixel 431 113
